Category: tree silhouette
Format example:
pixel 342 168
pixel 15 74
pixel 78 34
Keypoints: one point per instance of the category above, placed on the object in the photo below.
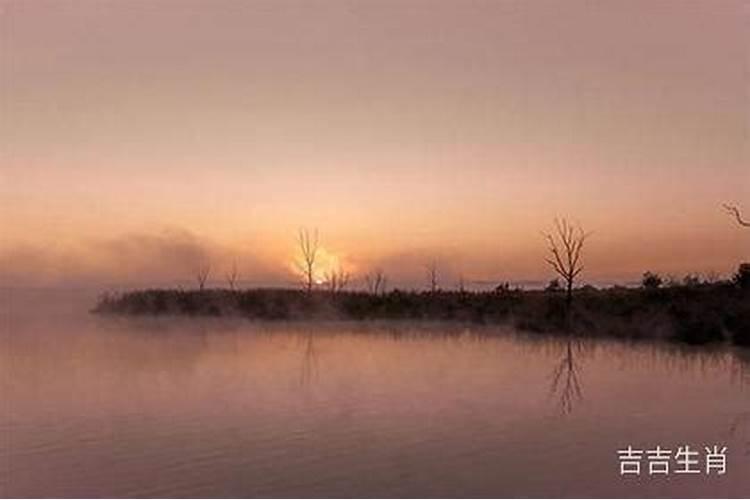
pixel 565 254
pixel 375 281
pixel 432 275
pixel 202 273
pixel 232 276
pixel 308 246
pixel 337 280
pixel 461 283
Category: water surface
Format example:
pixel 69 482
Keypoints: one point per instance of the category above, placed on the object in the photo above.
pixel 95 406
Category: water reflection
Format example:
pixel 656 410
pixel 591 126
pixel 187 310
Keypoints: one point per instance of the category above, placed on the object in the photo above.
pixel 740 366
pixel 740 426
pixel 106 407
pixel 309 370
pixel 565 376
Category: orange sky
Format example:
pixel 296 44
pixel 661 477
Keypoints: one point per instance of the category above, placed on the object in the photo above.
pixel 137 138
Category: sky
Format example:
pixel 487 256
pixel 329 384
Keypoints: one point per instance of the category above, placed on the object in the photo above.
pixel 139 139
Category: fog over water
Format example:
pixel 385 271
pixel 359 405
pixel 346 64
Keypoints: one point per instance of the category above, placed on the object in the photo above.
pixel 103 406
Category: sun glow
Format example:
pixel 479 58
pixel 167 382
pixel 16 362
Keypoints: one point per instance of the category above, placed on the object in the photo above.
pixel 326 264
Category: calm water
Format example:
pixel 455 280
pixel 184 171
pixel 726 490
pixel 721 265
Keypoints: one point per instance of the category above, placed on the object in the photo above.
pixel 97 406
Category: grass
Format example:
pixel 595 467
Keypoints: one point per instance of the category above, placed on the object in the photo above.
pixel 692 311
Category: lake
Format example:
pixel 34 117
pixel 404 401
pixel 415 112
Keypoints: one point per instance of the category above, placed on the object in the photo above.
pixel 104 406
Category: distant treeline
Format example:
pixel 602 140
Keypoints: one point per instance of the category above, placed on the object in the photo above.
pixel 693 311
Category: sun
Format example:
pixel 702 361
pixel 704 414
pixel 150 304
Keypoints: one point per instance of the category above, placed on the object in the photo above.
pixel 326 264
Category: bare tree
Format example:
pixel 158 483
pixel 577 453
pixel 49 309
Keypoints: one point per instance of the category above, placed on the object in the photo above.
pixel 565 248
pixel 233 276
pixel 202 273
pixel 432 275
pixel 375 281
pixel 308 246
pixel 337 280
pixel 735 212
pixel 461 283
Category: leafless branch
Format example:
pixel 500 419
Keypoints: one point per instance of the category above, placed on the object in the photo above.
pixel 735 212
pixel 308 247
pixel 202 273
pixel 376 281
pixel 233 276
pixel 337 280
pixel 565 247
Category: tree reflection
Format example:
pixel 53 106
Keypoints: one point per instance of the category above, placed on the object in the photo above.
pixel 740 424
pixel 565 377
pixel 309 360
pixel 740 367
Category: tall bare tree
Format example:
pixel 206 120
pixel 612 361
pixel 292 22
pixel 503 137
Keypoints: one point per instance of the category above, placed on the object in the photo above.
pixel 735 212
pixel 432 275
pixel 375 281
pixel 308 247
pixel 233 276
pixel 565 246
pixel 337 280
pixel 202 273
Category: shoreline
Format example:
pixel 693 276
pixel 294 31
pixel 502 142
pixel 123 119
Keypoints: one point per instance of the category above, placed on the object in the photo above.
pixel 697 314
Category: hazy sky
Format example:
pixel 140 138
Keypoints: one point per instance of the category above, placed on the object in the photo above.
pixel 140 137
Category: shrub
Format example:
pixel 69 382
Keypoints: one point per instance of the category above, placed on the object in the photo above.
pixel 742 276
pixel 651 281
pixel 554 286
pixel 691 280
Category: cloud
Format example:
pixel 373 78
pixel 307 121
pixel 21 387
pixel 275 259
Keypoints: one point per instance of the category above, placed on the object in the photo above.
pixel 173 253
pixel 169 257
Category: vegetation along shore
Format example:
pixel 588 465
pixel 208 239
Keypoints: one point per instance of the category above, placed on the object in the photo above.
pixel 692 310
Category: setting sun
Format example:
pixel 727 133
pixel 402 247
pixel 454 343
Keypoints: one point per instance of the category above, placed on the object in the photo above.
pixel 326 265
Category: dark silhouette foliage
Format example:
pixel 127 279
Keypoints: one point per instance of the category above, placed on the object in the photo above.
pixel 742 276
pixel 651 281
pixel 694 311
